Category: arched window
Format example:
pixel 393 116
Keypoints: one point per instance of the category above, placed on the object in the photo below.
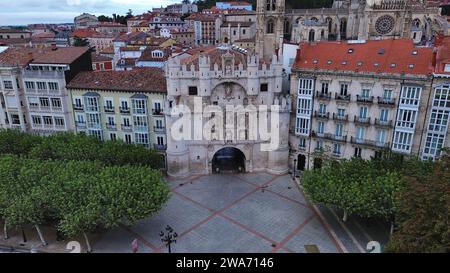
pixel 312 35
pixel 271 5
pixel 270 26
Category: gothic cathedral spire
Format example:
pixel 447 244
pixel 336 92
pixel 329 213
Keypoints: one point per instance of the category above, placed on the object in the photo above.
pixel 269 28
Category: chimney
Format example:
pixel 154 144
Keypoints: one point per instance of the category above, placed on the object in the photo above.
pixel 30 55
pixel 54 48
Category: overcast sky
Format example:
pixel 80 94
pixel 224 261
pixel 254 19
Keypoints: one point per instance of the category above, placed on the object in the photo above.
pixel 22 12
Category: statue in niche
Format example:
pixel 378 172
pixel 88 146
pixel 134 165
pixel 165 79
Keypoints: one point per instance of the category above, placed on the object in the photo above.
pixel 228 90
pixel 228 69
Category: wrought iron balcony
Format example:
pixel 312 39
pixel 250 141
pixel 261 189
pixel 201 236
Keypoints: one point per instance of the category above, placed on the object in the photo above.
pixel 386 101
pixel 111 126
pixel 322 115
pixel 81 124
pixel 158 147
pixel 109 109
pixel 340 117
pixel 159 129
pixel 362 121
pixel 323 96
pixel 125 110
pixel 332 137
pixel 127 128
pixel 382 123
pixel 343 98
pixel 362 99
pixel 370 143
pixel 158 112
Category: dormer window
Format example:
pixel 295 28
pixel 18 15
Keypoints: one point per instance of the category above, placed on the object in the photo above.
pixel 411 66
pixel 360 63
pixel 350 50
pixel 393 65
pixel 415 52
pixel 329 62
pixel 447 67
pixel 157 54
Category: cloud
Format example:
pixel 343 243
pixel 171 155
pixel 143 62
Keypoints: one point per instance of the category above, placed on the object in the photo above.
pixel 22 12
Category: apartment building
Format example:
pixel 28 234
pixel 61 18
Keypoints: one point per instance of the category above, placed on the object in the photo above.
pixel 126 105
pixel 13 112
pixel 358 99
pixel 85 20
pixel 206 27
pixel 33 92
pixel 44 81
pixel 436 134
pixel 110 27
pixel 182 8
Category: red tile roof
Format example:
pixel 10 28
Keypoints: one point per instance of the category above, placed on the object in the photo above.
pixel 83 33
pixel 62 55
pixel 383 56
pixel 147 54
pixel 215 55
pixel 18 56
pixel 136 80
pixel 443 55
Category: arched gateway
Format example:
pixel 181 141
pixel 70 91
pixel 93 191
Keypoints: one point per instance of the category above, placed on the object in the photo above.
pixel 228 160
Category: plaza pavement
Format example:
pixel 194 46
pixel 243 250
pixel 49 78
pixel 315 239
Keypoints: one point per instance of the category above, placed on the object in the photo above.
pixel 242 213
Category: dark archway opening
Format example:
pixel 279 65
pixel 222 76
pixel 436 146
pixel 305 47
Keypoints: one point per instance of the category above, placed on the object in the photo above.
pixel 228 160
pixel 301 163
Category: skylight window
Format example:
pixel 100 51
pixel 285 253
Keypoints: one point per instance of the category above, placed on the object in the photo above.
pixel 447 68
pixel 360 63
pixel 381 51
pixel 376 64
pixel 315 61
pixel 393 65
pixel 344 62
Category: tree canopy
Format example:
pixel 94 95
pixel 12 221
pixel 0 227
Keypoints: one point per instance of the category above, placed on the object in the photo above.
pixel 77 147
pixel 423 216
pixel 78 196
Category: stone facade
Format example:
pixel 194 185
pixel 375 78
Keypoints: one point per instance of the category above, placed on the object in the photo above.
pixel 368 100
pixel 364 20
pixel 225 76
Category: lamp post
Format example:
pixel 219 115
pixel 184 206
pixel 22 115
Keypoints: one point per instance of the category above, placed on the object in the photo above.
pixel 169 237
pixel 295 168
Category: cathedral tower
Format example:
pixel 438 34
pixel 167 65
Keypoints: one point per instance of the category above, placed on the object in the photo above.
pixel 269 27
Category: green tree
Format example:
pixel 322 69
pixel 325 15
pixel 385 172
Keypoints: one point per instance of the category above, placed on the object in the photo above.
pixel 354 186
pixel 16 142
pixel 423 212
pixel 79 42
pixel 130 194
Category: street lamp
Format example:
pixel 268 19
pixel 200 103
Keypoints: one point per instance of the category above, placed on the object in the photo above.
pixel 169 238
pixel 295 168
